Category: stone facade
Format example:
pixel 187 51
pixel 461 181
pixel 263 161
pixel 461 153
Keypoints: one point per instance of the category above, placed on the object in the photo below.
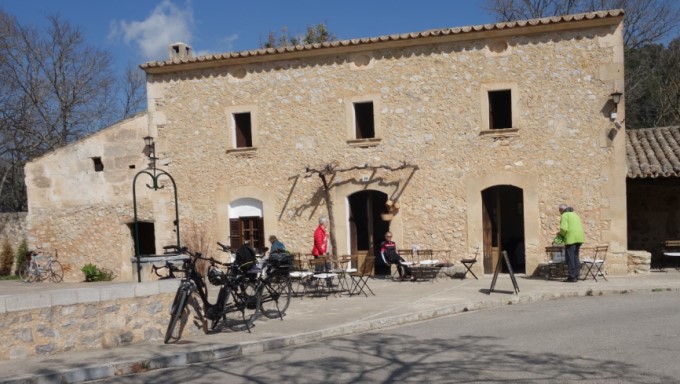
pixel 430 94
pixel 84 210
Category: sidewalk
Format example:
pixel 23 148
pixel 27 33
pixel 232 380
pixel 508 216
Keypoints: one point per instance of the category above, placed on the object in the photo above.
pixel 312 319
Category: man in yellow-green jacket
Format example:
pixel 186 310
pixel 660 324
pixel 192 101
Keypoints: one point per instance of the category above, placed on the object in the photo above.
pixel 571 231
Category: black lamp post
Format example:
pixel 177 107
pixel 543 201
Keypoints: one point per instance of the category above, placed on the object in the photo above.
pixel 155 174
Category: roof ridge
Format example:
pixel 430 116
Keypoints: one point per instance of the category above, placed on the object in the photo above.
pixel 402 36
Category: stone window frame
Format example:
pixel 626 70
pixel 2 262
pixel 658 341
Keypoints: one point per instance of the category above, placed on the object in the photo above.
pixel 231 128
pixel 485 130
pixel 351 124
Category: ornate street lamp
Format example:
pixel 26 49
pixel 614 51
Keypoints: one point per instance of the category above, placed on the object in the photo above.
pixel 155 174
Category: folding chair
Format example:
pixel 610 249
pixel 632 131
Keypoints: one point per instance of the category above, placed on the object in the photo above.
pixel 360 277
pixel 469 262
pixel 300 274
pixel 322 278
pixel 595 266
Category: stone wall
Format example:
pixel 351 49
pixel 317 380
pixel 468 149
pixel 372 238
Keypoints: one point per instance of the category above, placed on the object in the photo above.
pixel 79 319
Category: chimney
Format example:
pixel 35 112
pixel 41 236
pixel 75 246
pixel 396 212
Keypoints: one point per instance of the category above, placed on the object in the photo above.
pixel 179 51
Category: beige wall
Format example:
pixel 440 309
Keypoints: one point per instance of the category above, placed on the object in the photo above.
pixel 82 213
pixel 430 111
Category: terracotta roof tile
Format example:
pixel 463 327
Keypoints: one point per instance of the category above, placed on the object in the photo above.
pixel 653 152
pixel 404 36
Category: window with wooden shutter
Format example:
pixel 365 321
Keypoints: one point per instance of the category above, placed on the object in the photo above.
pixel 364 121
pixel 243 130
pixel 250 229
pixel 235 238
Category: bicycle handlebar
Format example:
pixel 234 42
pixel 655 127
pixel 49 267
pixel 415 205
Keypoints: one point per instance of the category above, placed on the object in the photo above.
pixel 225 248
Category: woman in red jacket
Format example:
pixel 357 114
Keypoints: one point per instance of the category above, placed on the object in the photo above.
pixel 321 238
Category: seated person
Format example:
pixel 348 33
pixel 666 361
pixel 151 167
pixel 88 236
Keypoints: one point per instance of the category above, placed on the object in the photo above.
pixel 388 251
pixel 277 245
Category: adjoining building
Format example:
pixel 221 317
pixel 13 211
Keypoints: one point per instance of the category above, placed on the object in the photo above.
pixel 453 139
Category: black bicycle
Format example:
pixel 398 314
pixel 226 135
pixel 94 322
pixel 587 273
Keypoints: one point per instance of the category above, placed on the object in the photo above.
pixel 273 283
pixel 237 302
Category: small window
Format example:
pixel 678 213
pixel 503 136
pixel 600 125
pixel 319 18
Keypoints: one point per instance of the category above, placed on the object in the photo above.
pixel 98 165
pixel 364 122
pixel 500 109
pixel 243 130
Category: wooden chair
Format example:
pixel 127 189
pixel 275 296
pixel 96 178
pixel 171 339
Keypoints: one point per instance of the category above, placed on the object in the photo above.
pixel 469 262
pixel 595 265
pixel 360 277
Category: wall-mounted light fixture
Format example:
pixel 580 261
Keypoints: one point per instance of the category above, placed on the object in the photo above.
pixel 616 99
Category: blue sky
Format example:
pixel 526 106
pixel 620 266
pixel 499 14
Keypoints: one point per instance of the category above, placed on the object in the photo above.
pixel 137 31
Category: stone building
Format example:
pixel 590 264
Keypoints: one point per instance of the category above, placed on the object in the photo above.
pixel 459 139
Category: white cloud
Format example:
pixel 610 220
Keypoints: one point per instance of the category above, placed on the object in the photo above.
pixel 166 24
pixel 228 42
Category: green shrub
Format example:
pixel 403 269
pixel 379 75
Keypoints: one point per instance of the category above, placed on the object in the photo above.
pixel 93 273
pixel 22 254
pixel 6 258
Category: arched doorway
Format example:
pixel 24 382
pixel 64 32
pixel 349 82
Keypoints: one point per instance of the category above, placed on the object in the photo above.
pixel 366 227
pixel 503 226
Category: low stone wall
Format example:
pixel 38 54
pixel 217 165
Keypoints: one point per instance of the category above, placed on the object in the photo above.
pixel 77 319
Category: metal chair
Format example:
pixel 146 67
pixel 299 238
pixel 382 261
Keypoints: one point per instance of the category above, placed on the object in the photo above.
pixel 595 265
pixel 300 274
pixel 322 277
pixel 360 277
pixel 557 262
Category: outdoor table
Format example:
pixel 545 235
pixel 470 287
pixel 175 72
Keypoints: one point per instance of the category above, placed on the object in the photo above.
pixel 669 254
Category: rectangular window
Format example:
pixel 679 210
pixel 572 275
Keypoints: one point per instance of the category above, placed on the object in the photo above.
pixel 250 229
pixel 243 130
pixel 500 109
pixel 98 165
pixel 364 122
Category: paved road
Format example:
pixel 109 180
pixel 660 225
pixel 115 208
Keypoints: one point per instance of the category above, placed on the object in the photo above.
pixel 629 338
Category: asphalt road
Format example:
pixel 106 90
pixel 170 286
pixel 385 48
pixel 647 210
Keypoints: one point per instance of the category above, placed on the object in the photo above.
pixel 628 338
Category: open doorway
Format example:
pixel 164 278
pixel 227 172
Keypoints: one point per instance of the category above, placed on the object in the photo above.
pixel 147 237
pixel 366 227
pixel 503 225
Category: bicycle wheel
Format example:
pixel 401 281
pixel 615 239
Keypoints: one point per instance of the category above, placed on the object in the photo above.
pixel 243 307
pixel 176 312
pixel 56 272
pixel 26 273
pixel 276 294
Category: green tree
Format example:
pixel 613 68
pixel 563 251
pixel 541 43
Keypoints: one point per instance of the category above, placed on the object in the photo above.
pixel 6 258
pixel 317 33
pixel 22 254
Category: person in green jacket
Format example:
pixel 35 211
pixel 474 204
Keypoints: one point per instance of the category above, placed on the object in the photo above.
pixel 571 231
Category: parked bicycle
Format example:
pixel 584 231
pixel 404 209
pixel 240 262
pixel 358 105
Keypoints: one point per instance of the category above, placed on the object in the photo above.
pixel 275 286
pixel 34 269
pixel 273 283
pixel 237 303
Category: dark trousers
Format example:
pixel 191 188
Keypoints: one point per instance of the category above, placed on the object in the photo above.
pixel 401 268
pixel 573 261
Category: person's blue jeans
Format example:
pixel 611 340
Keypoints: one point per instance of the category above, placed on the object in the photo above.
pixel 573 261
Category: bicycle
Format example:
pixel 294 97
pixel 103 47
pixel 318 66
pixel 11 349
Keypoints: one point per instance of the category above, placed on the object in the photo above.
pixel 275 287
pixel 273 284
pixel 31 270
pixel 237 295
